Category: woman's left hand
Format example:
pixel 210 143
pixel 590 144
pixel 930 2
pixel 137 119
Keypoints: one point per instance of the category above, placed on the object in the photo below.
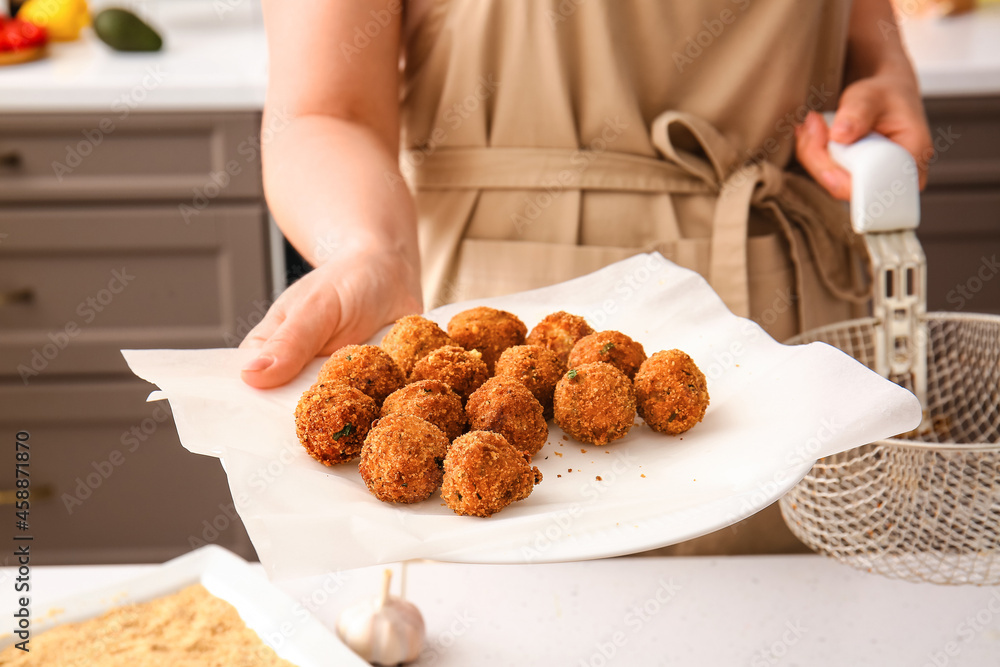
pixel 886 103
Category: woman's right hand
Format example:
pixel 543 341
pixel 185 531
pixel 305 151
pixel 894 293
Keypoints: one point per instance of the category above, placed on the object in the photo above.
pixel 341 302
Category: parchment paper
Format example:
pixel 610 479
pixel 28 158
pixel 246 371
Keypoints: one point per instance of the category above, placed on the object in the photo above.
pixel 774 410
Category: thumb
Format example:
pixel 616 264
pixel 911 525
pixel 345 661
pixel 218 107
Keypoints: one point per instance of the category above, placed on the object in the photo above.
pixel 856 113
pixel 283 355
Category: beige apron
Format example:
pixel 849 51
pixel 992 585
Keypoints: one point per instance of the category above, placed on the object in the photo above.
pixel 548 138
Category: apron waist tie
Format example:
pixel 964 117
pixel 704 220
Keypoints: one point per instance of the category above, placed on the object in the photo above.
pixel 798 205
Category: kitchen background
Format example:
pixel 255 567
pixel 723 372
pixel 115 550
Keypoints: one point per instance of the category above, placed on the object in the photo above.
pixel 132 216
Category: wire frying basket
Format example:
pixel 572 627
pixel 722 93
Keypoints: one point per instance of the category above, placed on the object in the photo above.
pixel 923 506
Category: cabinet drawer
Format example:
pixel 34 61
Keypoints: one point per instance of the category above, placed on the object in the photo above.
pixel 966 135
pixel 110 481
pixel 96 280
pixel 122 156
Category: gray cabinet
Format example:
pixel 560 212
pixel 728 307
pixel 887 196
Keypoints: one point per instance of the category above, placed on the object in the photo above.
pixel 155 235
pixel 960 208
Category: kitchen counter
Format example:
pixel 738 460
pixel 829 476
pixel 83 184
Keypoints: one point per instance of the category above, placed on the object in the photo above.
pixel 221 64
pixel 753 610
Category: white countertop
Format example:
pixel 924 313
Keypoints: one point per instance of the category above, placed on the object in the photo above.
pixel 739 610
pixel 220 63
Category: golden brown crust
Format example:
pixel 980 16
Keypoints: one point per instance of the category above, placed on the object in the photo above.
pixel 505 406
pixel 411 339
pixel 536 367
pixel 364 367
pixel 332 421
pixel 403 459
pixel 462 370
pixel 671 391
pixel 488 330
pixel 431 400
pixel 595 403
pixel 559 332
pixel 483 474
pixel 611 347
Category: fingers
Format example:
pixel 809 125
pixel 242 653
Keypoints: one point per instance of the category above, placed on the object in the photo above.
pixel 811 140
pixel 857 112
pixel 295 341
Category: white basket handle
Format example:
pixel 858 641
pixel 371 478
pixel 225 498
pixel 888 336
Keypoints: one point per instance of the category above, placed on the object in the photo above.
pixel 885 184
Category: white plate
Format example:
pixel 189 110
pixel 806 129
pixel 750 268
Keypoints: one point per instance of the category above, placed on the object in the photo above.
pixel 774 410
pixel 283 624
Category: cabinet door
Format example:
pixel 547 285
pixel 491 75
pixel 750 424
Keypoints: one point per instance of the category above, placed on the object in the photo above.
pixel 122 156
pixel 87 282
pixel 110 482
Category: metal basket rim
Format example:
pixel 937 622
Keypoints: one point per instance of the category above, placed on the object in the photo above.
pixel 906 443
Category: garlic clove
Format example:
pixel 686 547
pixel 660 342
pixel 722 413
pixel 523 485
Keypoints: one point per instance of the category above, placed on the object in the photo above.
pixel 383 630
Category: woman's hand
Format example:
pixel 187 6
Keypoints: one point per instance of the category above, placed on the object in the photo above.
pixel 343 301
pixel 887 105
pixel 883 97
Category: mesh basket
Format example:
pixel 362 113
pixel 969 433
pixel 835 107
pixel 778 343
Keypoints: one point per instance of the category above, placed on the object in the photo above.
pixel 923 506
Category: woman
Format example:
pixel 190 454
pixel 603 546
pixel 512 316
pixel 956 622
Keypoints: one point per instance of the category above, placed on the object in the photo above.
pixel 547 138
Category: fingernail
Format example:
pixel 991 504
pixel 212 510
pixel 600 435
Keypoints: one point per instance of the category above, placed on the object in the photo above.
pixel 842 126
pixel 259 363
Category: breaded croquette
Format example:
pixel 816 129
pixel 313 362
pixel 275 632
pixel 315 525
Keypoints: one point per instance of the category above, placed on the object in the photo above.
pixel 611 347
pixel 537 368
pixel 411 339
pixel 671 392
pixel 402 460
pixel 483 474
pixel 505 406
pixel 559 332
pixel 431 400
pixel 332 421
pixel 488 330
pixel 595 403
pixel 364 367
pixel 462 370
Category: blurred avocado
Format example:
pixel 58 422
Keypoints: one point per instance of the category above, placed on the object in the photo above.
pixel 124 31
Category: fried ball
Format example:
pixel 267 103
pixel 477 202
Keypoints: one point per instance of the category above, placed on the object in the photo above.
pixel 403 459
pixel 488 330
pixel 505 406
pixel 411 339
pixel 559 332
pixel 483 474
pixel 595 403
pixel 431 400
pixel 364 367
pixel 332 420
pixel 462 370
pixel 537 368
pixel 671 392
pixel 611 347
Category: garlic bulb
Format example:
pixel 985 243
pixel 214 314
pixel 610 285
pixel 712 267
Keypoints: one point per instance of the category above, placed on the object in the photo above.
pixel 383 630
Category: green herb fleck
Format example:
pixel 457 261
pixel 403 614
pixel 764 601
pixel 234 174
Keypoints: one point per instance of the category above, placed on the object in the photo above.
pixel 348 357
pixel 673 416
pixel 344 432
pixel 459 495
pixel 572 374
pixel 607 347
